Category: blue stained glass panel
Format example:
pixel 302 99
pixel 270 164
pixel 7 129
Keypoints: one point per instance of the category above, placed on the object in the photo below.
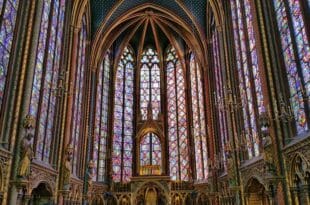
pixel 219 98
pixel 78 96
pixel 150 84
pixel 7 27
pixel 101 119
pixel 287 39
pixel 177 119
pixel 123 118
pixel 248 72
pixel 199 121
pixel 45 78
pixel 40 57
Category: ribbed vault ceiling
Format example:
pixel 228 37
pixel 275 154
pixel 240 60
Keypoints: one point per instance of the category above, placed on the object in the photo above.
pixel 110 10
pixel 148 26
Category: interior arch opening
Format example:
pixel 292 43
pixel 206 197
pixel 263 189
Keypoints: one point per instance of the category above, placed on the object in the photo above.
pixel 42 194
pixel 256 194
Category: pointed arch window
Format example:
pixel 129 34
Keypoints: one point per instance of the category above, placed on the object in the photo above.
pixel 219 96
pixel 8 14
pixel 47 65
pixel 76 132
pixel 101 118
pixel 150 155
pixel 123 118
pixel 296 54
pixel 199 120
pixel 150 84
pixel 248 72
pixel 177 117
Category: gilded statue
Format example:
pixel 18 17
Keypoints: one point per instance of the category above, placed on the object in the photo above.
pixel 26 155
pixel 67 167
pixel 231 171
pixel 26 150
pixel 90 174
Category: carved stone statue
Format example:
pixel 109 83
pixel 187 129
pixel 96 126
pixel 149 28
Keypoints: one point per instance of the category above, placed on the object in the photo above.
pixel 26 150
pixel 90 174
pixel 67 167
pixel 231 171
pixel 268 157
pixel 26 155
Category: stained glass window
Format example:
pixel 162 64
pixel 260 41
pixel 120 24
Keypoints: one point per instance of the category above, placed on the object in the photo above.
pixel 150 151
pixel 101 118
pixel 123 118
pixel 177 118
pixel 78 96
pixel 248 72
pixel 150 84
pixel 199 121
pixel 44 88
pixel 8 13
pixel 219 96
pixel 296 53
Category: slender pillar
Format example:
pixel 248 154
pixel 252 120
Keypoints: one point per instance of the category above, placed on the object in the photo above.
pixel 70 82
pixel 23 92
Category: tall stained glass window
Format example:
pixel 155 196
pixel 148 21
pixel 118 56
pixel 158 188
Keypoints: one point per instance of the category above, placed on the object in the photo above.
pixel 150 154
pixel 199 121
pixel 44 87
pixel 177 118
pixel 78 96
pixel 219 96
pixel 150 84
pixel 101 118
pixel 123 118
pixel 296 53
pixel 8 13
pixel 248 72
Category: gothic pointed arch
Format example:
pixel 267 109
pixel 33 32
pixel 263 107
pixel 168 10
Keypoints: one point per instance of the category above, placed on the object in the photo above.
pixel 101 123
pixel 123 117
pixel 199 132
pixel 177 116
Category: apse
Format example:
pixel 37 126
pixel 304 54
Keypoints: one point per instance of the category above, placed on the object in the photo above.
pixel 149 93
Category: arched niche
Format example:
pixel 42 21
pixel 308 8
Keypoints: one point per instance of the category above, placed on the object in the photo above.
pixel 300 179
pixel 151 197
pixel 42 194
pixel 256 193
pixel 202 199
pixel 151 193
pixel 156 129
pixel 176 199
pixel 125 200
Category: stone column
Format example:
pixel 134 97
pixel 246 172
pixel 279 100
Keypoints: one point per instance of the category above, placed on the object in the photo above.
pixel 70 82
pixel 23 90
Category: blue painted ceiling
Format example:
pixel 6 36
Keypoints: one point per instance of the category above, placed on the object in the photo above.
pixel 100 9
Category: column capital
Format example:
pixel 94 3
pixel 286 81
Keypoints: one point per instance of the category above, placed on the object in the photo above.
pixel 75 28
